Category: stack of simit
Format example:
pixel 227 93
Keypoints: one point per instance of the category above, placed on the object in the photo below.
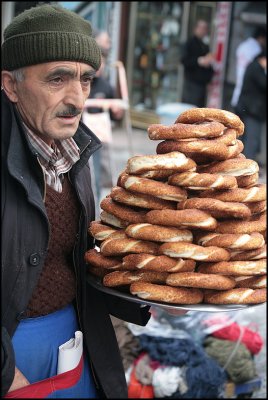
pixel 188 224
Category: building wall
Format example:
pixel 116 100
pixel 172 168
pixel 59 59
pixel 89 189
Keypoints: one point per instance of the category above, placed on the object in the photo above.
pixel 123 21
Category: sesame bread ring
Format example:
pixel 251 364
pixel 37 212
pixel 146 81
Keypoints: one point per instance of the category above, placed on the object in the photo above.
pixel 122 212
pixel 235 149
pixel 216 208
pixel 232 241
pixel 165 293
pixel 140 200
pixel 158 175
pixel 253 194
pixel 257 207
pixel 179 131
pixel 255 254
pixel 236 296
pixel 157 263
pixel 117 247
pixel 100 231
pixel 218 151
pixel 182 218
pixel 199 159
pixel 120 177
pixel 233 167
pixel 150 187
pixel 196 181
pixel 263 233
pixel 174 160
pixel 158 233
pixel 257 223
pixel 257 267
pixel 228 137
pixel 97 271
pixel 227 118
pixel 96 259
pixel 194 252
pixel 251 282
pixel 247 180
pixel 201 281
pixel 111 219
pixel 122 278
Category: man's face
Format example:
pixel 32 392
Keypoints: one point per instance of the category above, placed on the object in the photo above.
pixel 201 29
pixel 51 97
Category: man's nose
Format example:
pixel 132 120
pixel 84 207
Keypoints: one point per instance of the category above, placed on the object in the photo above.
pixel 75 95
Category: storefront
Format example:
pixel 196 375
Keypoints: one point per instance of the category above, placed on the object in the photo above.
pixel 156 33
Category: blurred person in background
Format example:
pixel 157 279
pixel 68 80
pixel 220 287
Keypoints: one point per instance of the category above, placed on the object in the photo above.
pixel 245 53
pixel 102 120
pixel 251 104
pixel 49 58
pixel 198 66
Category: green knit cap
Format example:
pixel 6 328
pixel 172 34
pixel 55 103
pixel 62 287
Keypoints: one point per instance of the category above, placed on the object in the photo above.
pixel 48 33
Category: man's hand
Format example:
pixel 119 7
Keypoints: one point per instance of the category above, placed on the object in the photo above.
pixel 206 61
pixel 19 381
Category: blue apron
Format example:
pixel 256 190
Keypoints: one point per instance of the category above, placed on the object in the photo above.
pixel 36 342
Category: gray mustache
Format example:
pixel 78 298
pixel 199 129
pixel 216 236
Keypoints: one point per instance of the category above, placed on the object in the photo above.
pixel 73 111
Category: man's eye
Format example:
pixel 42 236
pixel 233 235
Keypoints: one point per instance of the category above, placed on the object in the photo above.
pixel 87 80
pixel 56 80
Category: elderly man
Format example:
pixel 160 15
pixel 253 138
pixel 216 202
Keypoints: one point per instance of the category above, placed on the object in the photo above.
pixel 49 59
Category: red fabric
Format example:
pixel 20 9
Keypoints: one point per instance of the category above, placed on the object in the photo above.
pixel 42 389
pixel 252 340
pixel 138 391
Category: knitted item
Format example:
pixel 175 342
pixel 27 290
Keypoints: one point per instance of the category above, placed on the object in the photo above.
pixel 48 33
pixel 128 344
pixel 252 340
pixel 144 371
pixel 168 380
pixel 138 391
pixel 235 358
pixel 204 376
pixel 56 286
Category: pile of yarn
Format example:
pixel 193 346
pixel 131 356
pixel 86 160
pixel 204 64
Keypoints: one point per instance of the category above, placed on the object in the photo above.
pixel 175 368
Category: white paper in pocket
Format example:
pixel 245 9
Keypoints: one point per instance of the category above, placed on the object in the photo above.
pixel 70 353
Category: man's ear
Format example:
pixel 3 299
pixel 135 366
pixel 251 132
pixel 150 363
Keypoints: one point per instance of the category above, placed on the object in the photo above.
pixel 9 86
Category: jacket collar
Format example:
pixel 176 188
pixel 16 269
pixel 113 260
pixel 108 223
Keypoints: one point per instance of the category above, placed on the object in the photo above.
pixel 22 157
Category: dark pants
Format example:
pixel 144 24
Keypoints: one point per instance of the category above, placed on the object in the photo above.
pixel 194 93
pixel 252 137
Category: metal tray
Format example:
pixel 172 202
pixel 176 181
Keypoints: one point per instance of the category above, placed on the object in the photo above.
pixel 97 284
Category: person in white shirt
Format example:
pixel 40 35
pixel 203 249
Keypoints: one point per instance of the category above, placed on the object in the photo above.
pixel 245 53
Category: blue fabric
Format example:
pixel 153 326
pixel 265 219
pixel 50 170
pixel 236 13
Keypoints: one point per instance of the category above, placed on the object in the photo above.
pixel 36 343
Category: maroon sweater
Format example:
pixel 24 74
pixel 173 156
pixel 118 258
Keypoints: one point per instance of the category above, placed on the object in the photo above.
pixel 57 283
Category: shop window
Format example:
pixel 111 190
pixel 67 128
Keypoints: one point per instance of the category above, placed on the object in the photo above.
pixel 156 54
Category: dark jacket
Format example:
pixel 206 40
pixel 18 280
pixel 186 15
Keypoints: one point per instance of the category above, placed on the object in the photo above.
pixel 25 239
pixel 252 99
pixel 193 49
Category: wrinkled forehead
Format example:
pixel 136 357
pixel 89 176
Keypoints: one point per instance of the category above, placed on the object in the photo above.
pixel 75 68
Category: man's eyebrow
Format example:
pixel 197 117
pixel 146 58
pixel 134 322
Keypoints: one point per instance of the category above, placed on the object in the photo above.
pixel 90 73
pixel 68 72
